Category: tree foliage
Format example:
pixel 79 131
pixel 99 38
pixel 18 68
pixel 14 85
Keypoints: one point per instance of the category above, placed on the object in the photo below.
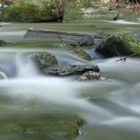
pixel 44 10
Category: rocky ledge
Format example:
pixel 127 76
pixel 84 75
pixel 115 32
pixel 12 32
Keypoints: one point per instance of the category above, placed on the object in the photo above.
pixel 48 64
pixel 67 70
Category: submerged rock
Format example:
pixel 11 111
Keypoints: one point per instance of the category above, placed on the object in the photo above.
pixel 2 43
pixel 66 70
pixel 113 46
pixel 82 53
pixel 45 60
pixel 90 75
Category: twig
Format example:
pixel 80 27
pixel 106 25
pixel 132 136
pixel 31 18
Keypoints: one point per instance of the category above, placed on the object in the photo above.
pixel 117 51
pixel 123 59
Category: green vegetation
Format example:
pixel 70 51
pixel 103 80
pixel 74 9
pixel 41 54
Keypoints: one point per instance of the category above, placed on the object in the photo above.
pixel 119 45
pixel 132 44
pixel 22 11
pixel 35 127
pixel 82 53
pixel 51 10
pixel 42 11
pixel 35 120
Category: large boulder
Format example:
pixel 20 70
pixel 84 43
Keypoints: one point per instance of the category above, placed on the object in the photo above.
pixel 116 45
pixel 67 70
pixel 45 60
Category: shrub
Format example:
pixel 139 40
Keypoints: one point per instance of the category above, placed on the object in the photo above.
pixel 21 13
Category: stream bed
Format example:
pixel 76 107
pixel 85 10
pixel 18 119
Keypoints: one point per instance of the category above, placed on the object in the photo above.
pixel 35 107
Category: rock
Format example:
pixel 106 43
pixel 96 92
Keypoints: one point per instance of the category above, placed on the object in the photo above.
pixel 73 43
pixel 2 43
pixel 82 53
pixel 99 36
pixel 90 75
pixel 113 46
pixel 67 70
pixel 103 78
pixel 45 60
pixel 100 13
pixel 86 41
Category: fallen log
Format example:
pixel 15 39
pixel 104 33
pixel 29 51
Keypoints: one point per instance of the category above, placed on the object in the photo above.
pixel 50 35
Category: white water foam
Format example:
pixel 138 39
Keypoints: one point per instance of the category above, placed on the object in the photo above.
pixel 124 22
pixel 30 84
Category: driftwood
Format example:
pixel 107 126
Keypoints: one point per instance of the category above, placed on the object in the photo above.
pixel 50 35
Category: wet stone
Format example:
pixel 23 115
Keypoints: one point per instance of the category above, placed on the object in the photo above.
pixel 45 60
pixel 67 70
pixel 90 75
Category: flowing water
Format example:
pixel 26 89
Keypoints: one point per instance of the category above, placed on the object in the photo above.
pixel 111 108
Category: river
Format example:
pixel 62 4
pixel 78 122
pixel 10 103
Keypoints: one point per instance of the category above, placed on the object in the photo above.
pixel 110 108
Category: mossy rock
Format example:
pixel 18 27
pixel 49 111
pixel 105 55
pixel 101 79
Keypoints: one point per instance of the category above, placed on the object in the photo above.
pixel 74 43
pixel 119 45
pixel 101 35
pixel 69 70
pixel 82 53
pixel 40 126
pixel 132 44
pixel 45 60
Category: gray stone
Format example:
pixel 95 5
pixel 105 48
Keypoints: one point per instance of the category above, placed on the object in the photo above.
pixel 90 75
pixel 45 60
pixel 82 53
pixel 113 46
pixel 67 70
pixel 86 41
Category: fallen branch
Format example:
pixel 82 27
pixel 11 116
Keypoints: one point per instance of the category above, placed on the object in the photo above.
pixel 123 59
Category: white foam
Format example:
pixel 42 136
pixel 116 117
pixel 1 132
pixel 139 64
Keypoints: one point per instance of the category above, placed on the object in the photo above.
pixel 124 22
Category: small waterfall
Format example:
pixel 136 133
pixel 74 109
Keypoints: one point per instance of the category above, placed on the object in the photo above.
pixel 3 75
pixel 25 67
pixel 110 104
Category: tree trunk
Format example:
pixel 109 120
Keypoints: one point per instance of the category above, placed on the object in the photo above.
pixel 61 18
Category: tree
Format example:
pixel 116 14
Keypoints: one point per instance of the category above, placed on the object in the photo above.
pixel 60 6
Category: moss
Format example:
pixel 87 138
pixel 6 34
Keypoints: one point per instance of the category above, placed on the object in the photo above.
pixel 45 60
pixel 74 43
pixel 42 126
pixel 82 53
pixel 132 44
